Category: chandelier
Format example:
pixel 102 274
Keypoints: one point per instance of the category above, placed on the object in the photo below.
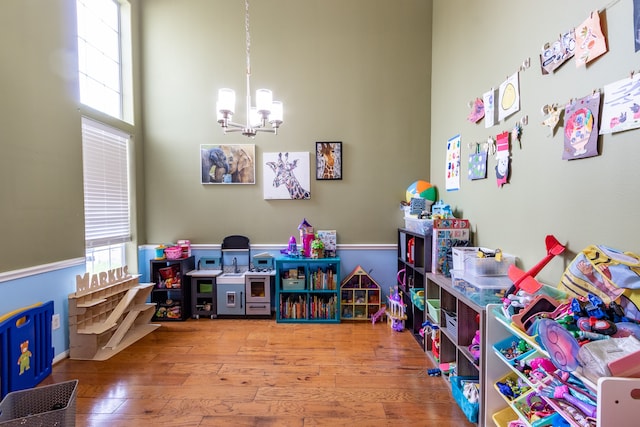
pixel 267 111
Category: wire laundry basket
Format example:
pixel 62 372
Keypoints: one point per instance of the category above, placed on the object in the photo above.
pixel 47 406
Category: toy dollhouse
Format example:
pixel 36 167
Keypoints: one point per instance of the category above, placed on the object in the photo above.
pixel 360 296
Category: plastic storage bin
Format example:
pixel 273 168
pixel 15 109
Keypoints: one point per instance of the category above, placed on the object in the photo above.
pixel 433 308
pixel 513 349
pixel 51 405
pixel 488 266
pixel 420 226
pixel 451 322
pixel 293 284
pixel 417 297
pixel 457 390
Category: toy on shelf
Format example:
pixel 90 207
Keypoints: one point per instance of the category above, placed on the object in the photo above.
pixel 378 314
pixel 432 329
pixel 306 236
pixel 526 280
pixel 397 312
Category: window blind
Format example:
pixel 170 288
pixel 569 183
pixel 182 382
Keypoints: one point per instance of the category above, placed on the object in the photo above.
pixel 106 184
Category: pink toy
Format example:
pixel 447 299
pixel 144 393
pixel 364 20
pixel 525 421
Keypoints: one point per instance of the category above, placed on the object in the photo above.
pixel 543 363
pixel 474 348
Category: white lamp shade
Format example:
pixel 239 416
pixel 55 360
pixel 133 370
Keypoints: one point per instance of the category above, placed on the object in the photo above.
pixel 254 117
pixel 226 100
pixel 277 113
pixel 264 99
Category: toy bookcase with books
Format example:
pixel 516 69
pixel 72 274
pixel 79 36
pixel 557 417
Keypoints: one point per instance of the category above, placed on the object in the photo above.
pixel 307 290
pixel 360 296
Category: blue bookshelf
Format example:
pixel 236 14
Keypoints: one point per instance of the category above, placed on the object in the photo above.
pixel 307 290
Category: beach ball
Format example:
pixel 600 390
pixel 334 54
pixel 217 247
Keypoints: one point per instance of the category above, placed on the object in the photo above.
pixel 421 189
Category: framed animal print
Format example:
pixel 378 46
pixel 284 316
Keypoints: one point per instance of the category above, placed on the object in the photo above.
pixel 227 164
pixel 286 175
pixel 328 160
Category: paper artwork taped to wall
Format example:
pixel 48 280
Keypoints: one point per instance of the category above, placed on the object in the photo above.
pixel 581 128
pixel 227 164
pixel 478 164
pixel 621 105
pixel 636 23
pixel 490 111
pixel 509 97
pixel 590 42
pixel 557 53
pixel 452 182
pixel 286 176
pixel 477 111
pixel 502 156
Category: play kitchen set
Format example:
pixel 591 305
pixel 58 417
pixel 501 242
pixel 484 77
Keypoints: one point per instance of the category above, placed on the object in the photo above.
pixel 235 284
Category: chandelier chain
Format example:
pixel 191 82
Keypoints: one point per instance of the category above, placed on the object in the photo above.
pixel 247 35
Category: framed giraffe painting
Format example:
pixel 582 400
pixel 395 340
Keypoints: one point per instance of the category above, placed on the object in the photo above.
pixel 328 160
pixel 287 175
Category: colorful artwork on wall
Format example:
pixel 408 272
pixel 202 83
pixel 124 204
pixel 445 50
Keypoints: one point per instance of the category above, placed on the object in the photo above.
pixel 502 156
pixel 557 53
pixel 490 111
pixel 581 128
pixel 477 111
pixel 590 42
pixel 621 106
pixel 453 164
pixel 478 164
pixel 509 97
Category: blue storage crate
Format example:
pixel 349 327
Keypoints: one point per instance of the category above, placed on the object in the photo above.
pixel 470 409
pixel 513 349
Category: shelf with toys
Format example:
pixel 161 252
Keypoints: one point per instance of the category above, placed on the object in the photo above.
pixel 565 358
pixel 172 290
pixel 455 334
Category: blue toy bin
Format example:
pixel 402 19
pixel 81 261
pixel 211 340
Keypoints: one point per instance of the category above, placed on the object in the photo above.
pixel 469 409
pixel 509 342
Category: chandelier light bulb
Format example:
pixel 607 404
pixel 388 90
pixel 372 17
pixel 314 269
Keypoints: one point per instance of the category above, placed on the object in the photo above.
pixel 276 115
pixel 264 99
pixel 226 101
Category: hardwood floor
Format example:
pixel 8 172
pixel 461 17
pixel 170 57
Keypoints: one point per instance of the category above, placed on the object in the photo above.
pixel 248 372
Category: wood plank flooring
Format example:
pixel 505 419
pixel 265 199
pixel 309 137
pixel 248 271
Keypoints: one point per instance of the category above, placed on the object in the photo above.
pixel 256 372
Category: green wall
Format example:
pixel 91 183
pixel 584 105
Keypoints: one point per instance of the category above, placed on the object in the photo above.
pixel 475 46
pixel 41 218
pixel 354 71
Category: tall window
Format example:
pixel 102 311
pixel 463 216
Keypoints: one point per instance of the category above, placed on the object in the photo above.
pixel 104 67
pixel 99 55
pixel 106 195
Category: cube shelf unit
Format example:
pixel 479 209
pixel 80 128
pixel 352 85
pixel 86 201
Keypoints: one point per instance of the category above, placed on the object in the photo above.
pixel 107 319
pixel 307 290
pixel 462 313
pixel 171 298
pixel 414 262
pixel 360 296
